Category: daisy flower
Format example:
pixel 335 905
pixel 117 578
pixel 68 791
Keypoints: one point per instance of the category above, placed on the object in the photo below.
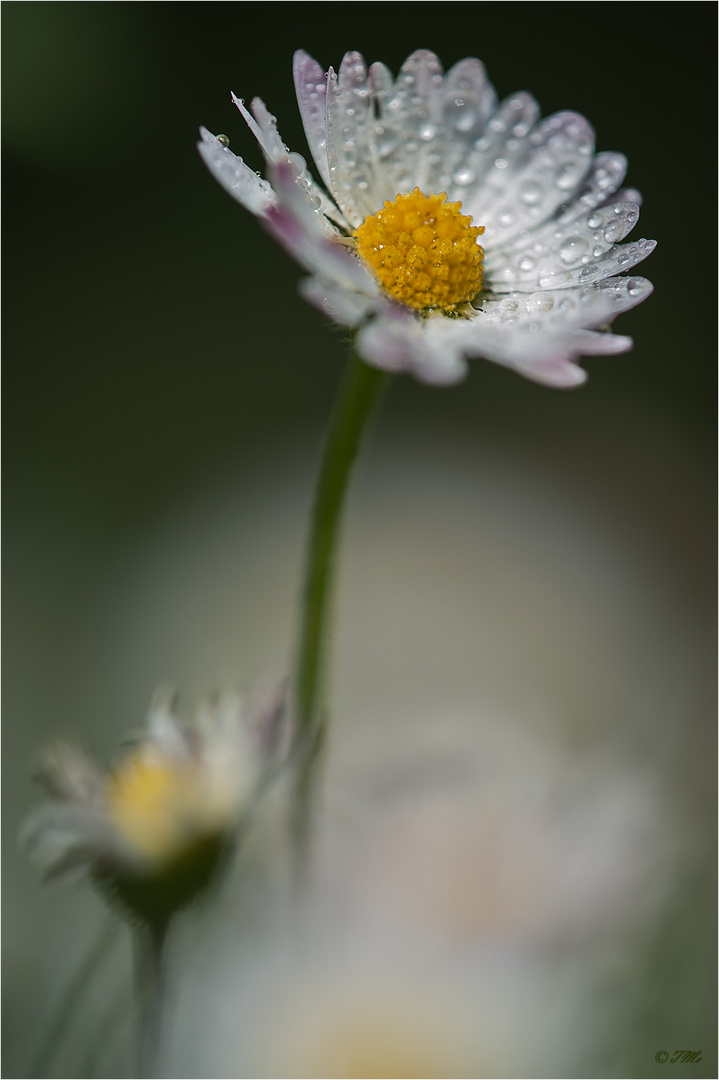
pixel 448 225
pixel 152 830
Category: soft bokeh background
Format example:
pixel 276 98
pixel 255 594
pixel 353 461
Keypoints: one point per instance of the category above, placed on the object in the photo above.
pixel 518 860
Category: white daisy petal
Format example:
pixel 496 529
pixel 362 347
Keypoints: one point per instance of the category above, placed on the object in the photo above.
pixel 607 173
pixel 300 229
pixel 420 170
pixel 342 306
pixel 590 306
pixel 520 194
pixel 398 344
pixel 501 145
pixel 263 126
pixel 243 184
pixel 311 87
pixel 351 163
pixel 566 255
pixel 616 260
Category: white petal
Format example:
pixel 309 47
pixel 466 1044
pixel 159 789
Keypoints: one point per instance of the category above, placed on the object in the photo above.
pixel 568 253
pixel 61 839
pixel 544 357
pixel 588 306
pixel 310 86
pixel 341 305
pixel 70 775
pixel 618 259
pixel 386 136
pixel 263 126
pixel 398 342
pixel 165 732
pixel 302 231
pixel 348 123
pixel 236 177
pixel 524 189
pixel 503 143
pixel 608 170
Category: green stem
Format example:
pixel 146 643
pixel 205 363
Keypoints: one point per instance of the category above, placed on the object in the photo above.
pixel 151 941
pixel 358 400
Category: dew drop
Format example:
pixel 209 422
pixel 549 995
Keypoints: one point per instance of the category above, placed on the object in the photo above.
pixel 526 263
pixel 386 140
pixel 613 232
pixel 536 304
pixel 223 140
pixel 500 163
pixel 461 114
pixel 572 248
pixel 530 192
pixel 463 175
pixel 553 279
pixel 566 176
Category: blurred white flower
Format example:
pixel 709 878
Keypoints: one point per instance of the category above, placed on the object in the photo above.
pixel 415 169
pixel 152 830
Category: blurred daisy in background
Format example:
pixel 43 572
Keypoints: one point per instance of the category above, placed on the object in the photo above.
pixel 152 829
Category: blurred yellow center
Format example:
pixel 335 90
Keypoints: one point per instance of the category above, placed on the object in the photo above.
pixel 158 807
pixel 424 251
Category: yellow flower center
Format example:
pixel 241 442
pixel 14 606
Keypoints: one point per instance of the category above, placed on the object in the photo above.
pixel 160 808
pixel 424 251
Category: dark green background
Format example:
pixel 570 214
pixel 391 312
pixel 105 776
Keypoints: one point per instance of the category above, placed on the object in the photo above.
pixel 153 338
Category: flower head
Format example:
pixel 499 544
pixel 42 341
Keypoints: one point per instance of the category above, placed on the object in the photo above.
pixel 415 170
pixel 152 830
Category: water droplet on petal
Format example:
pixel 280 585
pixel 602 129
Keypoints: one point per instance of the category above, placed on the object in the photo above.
pixel 540 303
pixel 530 192
pixel 463 175
pixel 386 140
pixel 552 279
pixel 572 248
pixel 613 232
pixel 461 114
pixel 223 140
